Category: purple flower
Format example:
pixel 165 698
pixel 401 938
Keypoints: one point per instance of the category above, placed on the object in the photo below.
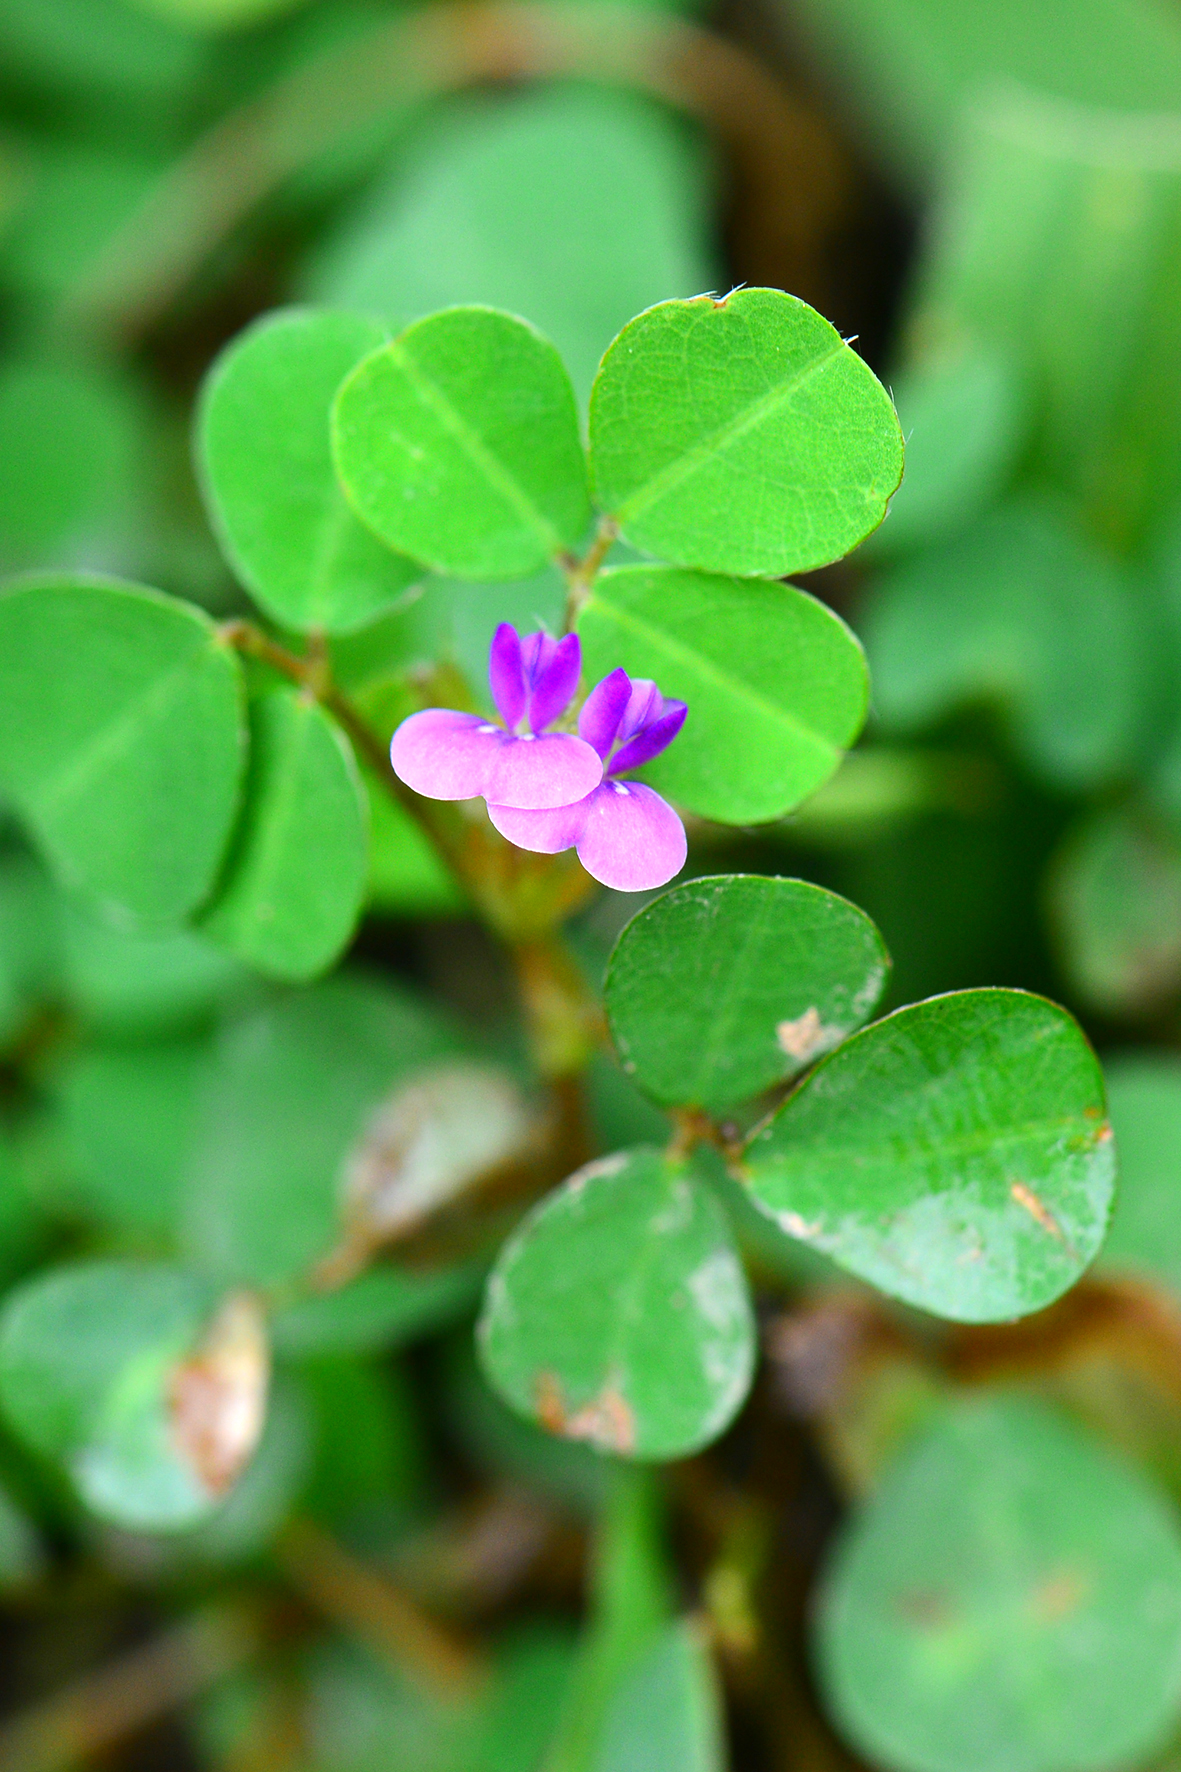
pixel 626 835
pixel 451 756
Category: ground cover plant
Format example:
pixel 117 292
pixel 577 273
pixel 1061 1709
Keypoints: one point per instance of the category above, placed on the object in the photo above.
pixel 501 1266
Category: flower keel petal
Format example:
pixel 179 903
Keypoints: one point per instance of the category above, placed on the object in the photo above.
pixel 546 833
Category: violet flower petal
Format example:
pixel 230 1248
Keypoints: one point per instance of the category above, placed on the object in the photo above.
pixel 644 704
pixel 651 740
pixel 555 683
pixel 506 674
pixel 544 832
pixel 536 773
pixel 632 839
pixel 446 755
pixel 536 651
pixel 603 709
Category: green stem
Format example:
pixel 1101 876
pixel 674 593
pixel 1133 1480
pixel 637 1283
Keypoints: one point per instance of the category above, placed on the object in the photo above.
pixel 581 574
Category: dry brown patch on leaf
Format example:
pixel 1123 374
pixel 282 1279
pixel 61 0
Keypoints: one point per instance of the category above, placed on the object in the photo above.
pixel 803 1038
pixel 217 1397
pixel 1037 1209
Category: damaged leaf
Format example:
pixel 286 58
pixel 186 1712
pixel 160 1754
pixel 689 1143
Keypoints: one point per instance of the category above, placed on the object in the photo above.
pixel 431 1141
pixel 619 1314
pixel 957 1155
pixel 786 970
pixel 121 1372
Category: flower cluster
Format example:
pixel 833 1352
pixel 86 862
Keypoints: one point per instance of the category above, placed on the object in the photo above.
pixel 548 791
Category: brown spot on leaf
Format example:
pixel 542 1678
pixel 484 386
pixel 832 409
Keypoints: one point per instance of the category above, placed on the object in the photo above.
pixel 606 1421
pixel 927 1609
pixel 551 1411
pixel 1058 1595
pixel 1105 1134
pixel 804 1038
pixel 217 1397
pixel 1026 1198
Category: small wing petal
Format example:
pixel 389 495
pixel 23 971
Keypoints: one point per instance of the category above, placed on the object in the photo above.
pixel 652 740
pixel 544 832
pixel 633 840
pixel 555 683
pixel 506 674
pixel 603 710
pixel 536 773
pixel 446 755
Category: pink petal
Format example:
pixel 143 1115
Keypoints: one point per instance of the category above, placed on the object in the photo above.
pixel 543 832
pixel 506 674
pixel 633 839
pixel 446 755
pixel 603 709
pixel 536 773
pixel 555 683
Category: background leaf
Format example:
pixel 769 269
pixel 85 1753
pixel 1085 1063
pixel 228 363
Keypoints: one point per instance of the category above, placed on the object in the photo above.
pixel 668 1712
pixel 86 1358
pixel 741 436
pixel 291 893
pixel 291 1092
pixel 775 683
pixel 1114 896
pixel 122 741
pixel 1010 1601
pixel 459 444
pixel 1144 1092
pixel 265 456
pixel 573 204
pixel 786 969
pixel 1021 612
pixel 618 1312
pixel 956 1154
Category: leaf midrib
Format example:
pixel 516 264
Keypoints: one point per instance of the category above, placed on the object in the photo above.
pixel 477 451
pixel 66 782
pixel 963 1145
pixel 715 442
pixel 707 669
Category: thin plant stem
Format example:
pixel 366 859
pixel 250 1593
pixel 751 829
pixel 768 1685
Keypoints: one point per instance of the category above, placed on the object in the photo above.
pixel 581 574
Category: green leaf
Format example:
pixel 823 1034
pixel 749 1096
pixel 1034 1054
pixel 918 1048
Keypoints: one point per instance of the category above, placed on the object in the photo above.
pixel 87 1355
pixel 67 447
pixel 1144 1093
pixel 912 67
pixel 22 1557
pixel 129 1114
pixel 1023 613
pixel 618 1312
pixel 458 443
pixel 1115 900
pixel 126 983
pixel 291 1093
pixel 1010 1601
pixel 741 436
pixel 291 893
pixel 383 1308
pixel 215 15
pixel 265 456
pixel 964 420
pixel 405 876
pixel 574 204
pixel 630 1606
pixel 122 741
pixel 787 970
pixel 775 683
pixel 956 1154
pixel 30 942
pixel 668 1712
